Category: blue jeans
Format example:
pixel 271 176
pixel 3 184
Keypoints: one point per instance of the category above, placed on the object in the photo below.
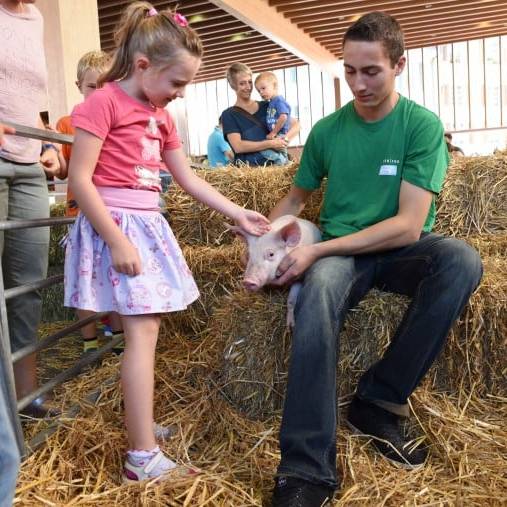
pixel 24 252
pixel 9 453
pixel 439 274
pixel 275 157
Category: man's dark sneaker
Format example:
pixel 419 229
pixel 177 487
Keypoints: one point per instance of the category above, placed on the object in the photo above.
pixel 387 434
pixel 294 492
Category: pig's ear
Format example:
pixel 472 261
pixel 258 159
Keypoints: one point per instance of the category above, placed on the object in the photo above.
pixel 236 229
pixel 291 233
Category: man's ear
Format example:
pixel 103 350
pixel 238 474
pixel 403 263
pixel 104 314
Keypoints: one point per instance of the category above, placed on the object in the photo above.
pixel 398 68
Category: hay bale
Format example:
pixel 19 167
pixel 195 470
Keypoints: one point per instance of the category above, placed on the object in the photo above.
pixel 474 197
pixel 256 345
pixel 56 233
pixel 489 245
pixel 473 200
pixel 217 271
pixel 257 188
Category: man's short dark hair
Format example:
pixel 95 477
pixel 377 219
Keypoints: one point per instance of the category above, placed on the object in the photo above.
pixel 378 27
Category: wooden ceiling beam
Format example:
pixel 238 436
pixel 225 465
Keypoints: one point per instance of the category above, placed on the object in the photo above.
pixel 249 42
pixel 390 6
pixel 253 63
pixel 187 10
pixel 104 5
pixel 211 76
pixel 426 41
pixel 401 16
pixel 418 27
pixel 266 20
pixel 231 26
pixel 231 55
pixel 200 25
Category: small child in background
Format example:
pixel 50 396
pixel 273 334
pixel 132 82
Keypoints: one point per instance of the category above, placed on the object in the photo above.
pixel 277 116
pixel 89 67
pixel 121 253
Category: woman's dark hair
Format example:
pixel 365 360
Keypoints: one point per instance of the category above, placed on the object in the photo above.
pixel 378 27
pixel 157 35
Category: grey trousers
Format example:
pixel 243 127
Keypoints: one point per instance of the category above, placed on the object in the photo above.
pixel 23 196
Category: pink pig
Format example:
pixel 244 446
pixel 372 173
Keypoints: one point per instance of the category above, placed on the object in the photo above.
pixel 266 252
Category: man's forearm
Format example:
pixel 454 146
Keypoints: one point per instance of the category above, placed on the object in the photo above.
pixel 391 233
pixel 286 206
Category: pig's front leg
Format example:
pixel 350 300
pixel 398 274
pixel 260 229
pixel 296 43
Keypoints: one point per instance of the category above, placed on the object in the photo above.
pixel 291 303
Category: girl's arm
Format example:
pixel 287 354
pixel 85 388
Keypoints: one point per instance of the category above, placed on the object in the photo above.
pixel 249 220
pixel 241 146
pixel 85 153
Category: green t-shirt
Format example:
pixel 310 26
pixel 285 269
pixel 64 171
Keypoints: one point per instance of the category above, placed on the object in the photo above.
pixel 365 162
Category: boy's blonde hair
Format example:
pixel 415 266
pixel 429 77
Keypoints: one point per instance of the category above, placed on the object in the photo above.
pixel 98 61
pixel 268 76
pixel 159 35
pixel 235 69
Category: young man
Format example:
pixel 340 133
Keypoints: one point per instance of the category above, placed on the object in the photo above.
pixel 385 160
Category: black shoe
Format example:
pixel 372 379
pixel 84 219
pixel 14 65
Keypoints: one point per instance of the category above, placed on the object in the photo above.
pixel 39 409
pixel 294 492
pixel 387 434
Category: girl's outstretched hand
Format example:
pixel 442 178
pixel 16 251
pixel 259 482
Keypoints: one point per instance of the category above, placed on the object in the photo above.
pixel 126 258
pixel 252 222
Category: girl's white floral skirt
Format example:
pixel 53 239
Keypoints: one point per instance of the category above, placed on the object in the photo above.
pixel 91 283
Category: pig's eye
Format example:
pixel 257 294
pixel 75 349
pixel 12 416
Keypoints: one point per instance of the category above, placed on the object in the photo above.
pixel 270 255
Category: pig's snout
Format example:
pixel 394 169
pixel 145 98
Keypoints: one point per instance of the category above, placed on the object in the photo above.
pixel 251 285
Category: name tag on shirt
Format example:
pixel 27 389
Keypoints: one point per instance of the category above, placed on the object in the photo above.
pixel 388 170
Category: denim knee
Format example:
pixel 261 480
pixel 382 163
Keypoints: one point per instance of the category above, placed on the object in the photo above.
pixel 461 264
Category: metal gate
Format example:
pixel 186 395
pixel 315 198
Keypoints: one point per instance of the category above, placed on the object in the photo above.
pixel 6 358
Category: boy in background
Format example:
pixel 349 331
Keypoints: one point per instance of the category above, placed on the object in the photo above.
pixel 89 68
pixel 278 113
pixel 219 151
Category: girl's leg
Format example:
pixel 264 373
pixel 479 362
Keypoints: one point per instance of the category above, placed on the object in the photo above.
pixel 117 329
pixel 116 323
pixel 137 378
pixel 88 332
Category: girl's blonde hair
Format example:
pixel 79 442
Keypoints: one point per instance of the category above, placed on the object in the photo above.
pixel 157 35
pixel 235 69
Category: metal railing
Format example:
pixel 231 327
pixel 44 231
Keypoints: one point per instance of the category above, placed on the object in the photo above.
pixel 7 359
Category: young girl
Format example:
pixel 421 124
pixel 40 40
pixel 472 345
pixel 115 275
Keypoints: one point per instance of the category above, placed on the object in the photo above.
pixel 122 255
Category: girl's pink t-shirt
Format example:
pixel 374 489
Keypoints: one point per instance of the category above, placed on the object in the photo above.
pixel 134 136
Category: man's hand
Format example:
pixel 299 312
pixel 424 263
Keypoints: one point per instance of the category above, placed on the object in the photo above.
pixel 294 264
pixel 50 162
pixel 271 135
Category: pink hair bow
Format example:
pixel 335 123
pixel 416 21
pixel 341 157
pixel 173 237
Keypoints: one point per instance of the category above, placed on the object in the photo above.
pixel 152 12
pixel 179 19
